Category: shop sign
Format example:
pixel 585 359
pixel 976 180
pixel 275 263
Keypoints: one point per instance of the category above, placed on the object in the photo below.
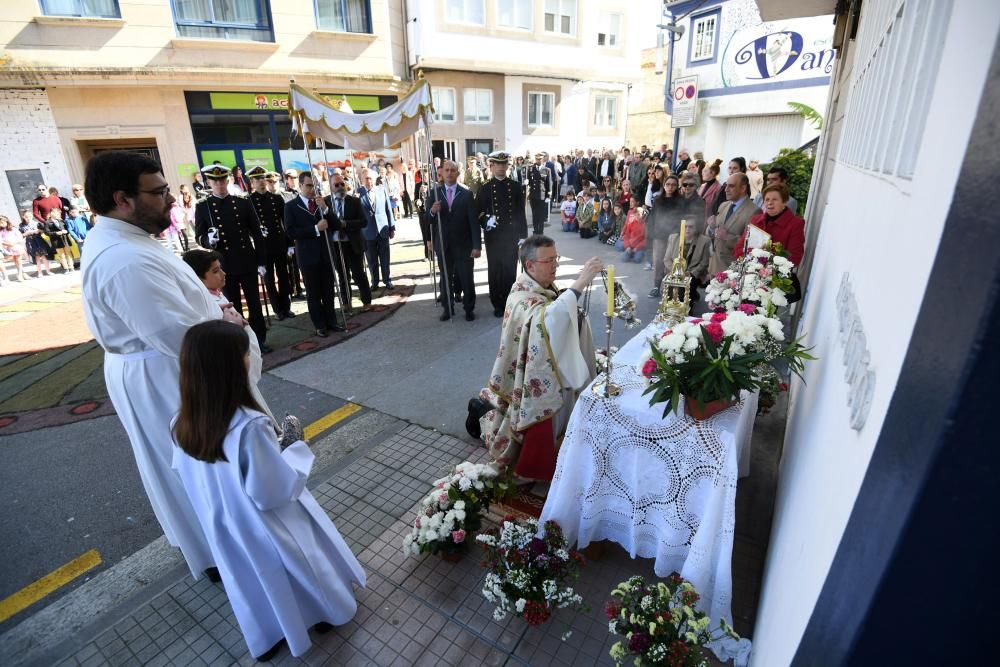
pixel 773 54
pixel 279 101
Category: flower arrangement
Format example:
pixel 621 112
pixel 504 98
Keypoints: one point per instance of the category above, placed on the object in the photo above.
pixel 766 278
pixel 713 360
pixel 601 358
pixel 528 575
pixel 450 514
pixel 660 624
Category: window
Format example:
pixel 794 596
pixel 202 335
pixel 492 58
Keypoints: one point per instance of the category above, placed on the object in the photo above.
pixel 515 14
pixel 606 111
pixel 93 9
pixel 343 15
pixel 223 19
pixel 478 105
pixel 540 108
pixel 444 104
pixel 609 30
pixel 560 16
pixel 466 11
pixel 703 37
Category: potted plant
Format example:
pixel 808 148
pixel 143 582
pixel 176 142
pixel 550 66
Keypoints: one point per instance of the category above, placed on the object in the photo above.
pixel 528 575
pixel 710 361
pixel 761 278
pixel 659 623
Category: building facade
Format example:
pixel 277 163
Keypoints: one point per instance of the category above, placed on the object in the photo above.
pixel 526 75
pixel 187 83
pixel 748 71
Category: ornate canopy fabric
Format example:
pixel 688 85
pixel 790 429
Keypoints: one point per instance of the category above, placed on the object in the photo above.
pixel 317 118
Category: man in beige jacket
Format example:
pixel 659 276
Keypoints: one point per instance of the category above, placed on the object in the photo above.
pixel 731 220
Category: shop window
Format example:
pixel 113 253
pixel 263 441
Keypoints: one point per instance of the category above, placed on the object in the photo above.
pixel 609 34
pixel 91 9
pixel 606 112
pixel 344 15
pixel 212 128
pixel 223 19
pixel 704 31
pixel 515 14
pixel 560 16
pixel 540 109
pixel 444 104
pixel 466 11
pixel 478 103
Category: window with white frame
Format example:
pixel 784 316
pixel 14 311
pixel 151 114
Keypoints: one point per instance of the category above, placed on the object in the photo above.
pixel 101 9
pixel 223 19
pixel 606 111
pixel 515 14
pixel 478 105
pixel 444 104
pixel 541 109
pixel 703 33
pixel 466 11
pixel 609 29
pixel 560 16
pixel 343 15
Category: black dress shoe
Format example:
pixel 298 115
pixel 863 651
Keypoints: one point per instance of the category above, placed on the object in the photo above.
pixel 477 408
pixel 445 317
pixel 469 316
pixel 280 316
pixel 269 654
pixel 322 333
pixel 213 575
pixel 266 349
pixel 337 327
pixel 289 314
pixel 497 313
pixel 390 286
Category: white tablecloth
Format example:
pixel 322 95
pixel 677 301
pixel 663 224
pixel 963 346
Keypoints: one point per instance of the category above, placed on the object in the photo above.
pixel 662 488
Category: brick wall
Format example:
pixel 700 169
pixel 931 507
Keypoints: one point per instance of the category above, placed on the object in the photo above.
pixel 29 140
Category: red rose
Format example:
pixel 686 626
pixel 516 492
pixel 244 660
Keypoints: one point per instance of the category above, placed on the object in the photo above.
pixel 649 368
pixel 715 332
pixel 718 317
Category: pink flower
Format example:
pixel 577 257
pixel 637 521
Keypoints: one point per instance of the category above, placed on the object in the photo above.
pixel 718 317
pixel 416 524
pixel 667 333
pixel 748 308
pixel 765 272
pixel 714 330
pixel 721 276
pixel 733 284
pixel 762 260
pixel 649 368
pixel 443 498
pixel 458 536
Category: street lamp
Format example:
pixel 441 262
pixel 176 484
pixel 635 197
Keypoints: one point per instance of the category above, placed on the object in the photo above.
pixel 675 32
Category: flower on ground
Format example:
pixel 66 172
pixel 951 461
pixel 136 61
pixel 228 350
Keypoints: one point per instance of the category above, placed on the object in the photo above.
pixel 458 536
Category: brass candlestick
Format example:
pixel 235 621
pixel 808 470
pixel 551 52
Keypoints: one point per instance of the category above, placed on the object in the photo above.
pixel 674 307
pixel 606 388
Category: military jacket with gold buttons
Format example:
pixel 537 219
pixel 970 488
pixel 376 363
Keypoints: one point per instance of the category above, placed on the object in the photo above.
pixel 505 200
pixel 240 242
pixel 270 208
pixel 539 182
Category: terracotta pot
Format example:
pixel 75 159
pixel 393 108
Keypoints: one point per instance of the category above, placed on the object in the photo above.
pixel 450 556
pixel 707 410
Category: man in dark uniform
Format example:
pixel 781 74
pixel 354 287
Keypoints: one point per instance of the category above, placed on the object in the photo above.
pixel 500 208
pixel 539 187
pixel 270 209
pixel 227 224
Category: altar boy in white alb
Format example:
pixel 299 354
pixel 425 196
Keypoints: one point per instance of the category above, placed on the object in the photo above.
pixel 139 300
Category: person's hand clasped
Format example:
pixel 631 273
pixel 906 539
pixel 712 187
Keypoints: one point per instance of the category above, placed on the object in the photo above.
pixel 322 225
pixel 229 314
pixel 591 268
pixel 261 271
pixel 435 208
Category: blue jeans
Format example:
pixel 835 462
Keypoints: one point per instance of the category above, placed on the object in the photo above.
pixel 569 226
pixel 633 256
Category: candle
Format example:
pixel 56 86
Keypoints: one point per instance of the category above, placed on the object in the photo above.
pixel 611 290
pixel 680 242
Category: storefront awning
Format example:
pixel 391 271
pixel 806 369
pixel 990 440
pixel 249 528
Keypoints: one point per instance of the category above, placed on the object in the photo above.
pixel 316 118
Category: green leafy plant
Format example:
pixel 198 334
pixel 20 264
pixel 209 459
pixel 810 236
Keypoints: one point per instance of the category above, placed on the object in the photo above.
pixel 799 166
pixel 810 114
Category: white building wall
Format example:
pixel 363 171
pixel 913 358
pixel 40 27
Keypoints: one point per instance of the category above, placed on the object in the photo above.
pixel 29 140
pixel 883 233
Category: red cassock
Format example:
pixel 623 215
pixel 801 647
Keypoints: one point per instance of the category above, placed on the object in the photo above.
pixel 537 459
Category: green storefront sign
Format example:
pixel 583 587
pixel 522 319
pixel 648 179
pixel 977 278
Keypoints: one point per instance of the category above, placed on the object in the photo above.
pixel 279 101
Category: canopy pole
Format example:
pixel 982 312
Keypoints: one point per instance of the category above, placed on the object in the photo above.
pixel 340 248
pixel 425 185
pixel 326 235
pixel 446 297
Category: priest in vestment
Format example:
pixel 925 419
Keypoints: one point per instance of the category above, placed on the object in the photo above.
pixel 139 300
pixel 546 357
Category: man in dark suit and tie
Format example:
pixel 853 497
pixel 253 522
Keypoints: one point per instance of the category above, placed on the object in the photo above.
pixel 311 222
pixel 461 234
pixel 347 209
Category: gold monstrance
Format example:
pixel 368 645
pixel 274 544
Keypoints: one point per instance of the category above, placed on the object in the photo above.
pixel 675 303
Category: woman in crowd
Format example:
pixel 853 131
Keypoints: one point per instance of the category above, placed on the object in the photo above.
pixel 780 222
pixel 605 221
pixel 39 249
pixel 55 229
pixel 238 184
pixel 393 188
pixel 618 215
pixel 634 234
pixel 697 252
pixel 187 205
pixel 625 196
pixel 696 167
pixel 655 176
pixel 175 231
pixel 710 187
pixel 663 221
pixel 285 567
pixel 11 245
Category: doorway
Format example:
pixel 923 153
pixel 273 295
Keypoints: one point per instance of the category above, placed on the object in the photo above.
pixel 444 148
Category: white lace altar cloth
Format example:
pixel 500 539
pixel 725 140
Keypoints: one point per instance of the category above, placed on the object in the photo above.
pixel 661 487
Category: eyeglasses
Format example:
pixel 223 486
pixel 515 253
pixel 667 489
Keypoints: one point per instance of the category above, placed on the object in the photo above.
pixel 555 259
pixel 687 185
pixel 158 192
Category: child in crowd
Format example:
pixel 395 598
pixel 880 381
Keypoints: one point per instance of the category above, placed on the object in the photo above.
pixel 619 218
pixel 568 209
pixel 634 234
pixel 605 221
pixel 11 245
pixel 77 225
pixel 285 567
pixel 39 249
pixel 586 214
pixel 55 229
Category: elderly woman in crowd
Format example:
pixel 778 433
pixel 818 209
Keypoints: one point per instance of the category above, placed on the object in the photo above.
pixel 710 188
pixel 664 220
pixel 697 253
pixel 780 222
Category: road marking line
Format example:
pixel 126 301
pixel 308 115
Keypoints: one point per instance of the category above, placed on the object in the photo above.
pixel 324 423
pixel 35 591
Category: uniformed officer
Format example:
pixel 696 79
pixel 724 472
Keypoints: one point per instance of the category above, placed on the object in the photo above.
pixel 270 210
pixel 501 213
pixel 227 223
pixel 539 187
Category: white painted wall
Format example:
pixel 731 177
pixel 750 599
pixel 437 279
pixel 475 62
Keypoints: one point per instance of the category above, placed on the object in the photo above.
pixel 884 232
pixel 29 140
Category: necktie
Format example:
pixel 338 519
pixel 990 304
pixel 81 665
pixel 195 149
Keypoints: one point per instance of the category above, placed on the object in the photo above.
pixel 732 207
pixel 312 206
pixel 340 207
pixel 451 196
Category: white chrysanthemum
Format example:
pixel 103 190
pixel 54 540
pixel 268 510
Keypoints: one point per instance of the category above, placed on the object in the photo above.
pixel 690 344
pixel 778 298
pixel 464 483
pixel 519 605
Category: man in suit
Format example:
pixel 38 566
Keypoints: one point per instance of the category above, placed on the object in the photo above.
pixel 732 219
pixel 379 227
pixel 310 221
pixel 460 231
pixel 539 186
pixel 270 210
pixel 554 174
pixel 228 224
pixel 347 208
pixel 569 178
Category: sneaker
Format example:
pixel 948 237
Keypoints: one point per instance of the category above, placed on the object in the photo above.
pixel 654 293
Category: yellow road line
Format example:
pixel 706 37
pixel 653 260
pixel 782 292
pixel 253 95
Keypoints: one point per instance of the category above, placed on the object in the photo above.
pixel 35 591
pixel 325 422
